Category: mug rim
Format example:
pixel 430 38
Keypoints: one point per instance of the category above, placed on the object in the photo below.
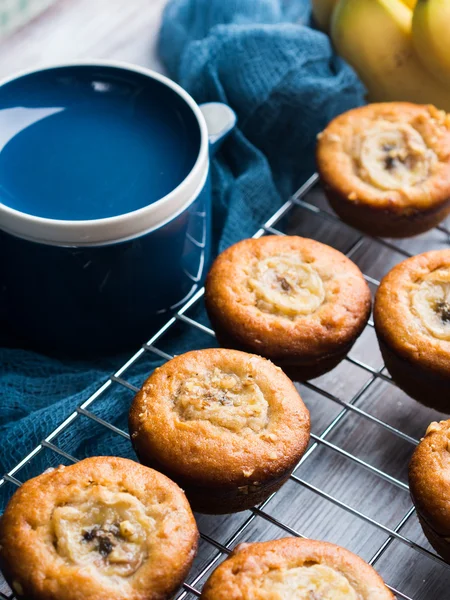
pixel 117 228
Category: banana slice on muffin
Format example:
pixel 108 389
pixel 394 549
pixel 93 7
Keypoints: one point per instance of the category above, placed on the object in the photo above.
pixel 284 284
pixel 293 300
pixel 392 156
pixel 229 427
pixel 105 527
pixel 294 568
pixel 385 167
pixel 430 301
pixel 412 321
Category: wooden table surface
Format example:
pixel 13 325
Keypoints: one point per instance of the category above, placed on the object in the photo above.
pixel 71 29
pixel 358 462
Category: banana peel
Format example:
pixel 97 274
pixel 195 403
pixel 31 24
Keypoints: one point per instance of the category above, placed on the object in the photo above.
pixel 322 11
pixel 410 3
pixel 375 38
pixel 431 36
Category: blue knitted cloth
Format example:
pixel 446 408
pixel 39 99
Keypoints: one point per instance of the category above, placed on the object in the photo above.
pixel 285 84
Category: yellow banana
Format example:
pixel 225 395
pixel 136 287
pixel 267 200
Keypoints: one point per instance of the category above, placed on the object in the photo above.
pixel 410 3
pixel 431 36
pixel 374 36
pixel 322 11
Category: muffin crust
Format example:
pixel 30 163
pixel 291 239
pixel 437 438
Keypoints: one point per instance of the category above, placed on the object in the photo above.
pixel 105 528
pixel 290 567
pixel 429 483
pixel 412 321
pixel 386 167
pixel 293 300
pixel 228 426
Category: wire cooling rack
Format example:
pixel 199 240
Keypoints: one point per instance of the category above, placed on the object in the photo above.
pixel 350 487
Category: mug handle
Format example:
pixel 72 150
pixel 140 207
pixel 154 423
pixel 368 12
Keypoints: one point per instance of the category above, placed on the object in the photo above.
pixel 220 120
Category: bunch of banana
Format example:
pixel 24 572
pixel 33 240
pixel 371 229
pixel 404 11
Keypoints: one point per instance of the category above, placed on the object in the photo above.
pixel 399 48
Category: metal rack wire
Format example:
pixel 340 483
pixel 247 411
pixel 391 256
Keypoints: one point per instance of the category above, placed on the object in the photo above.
pixel 391 534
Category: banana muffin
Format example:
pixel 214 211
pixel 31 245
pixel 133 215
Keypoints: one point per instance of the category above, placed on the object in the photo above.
pixel 105 528
pixel 227 426
pixel 412 321
pixel 385 167
pixel 429 484
pixel 296 301
pixel 294 568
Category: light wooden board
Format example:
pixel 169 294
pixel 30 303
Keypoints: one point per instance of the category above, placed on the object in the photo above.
pixel 73 29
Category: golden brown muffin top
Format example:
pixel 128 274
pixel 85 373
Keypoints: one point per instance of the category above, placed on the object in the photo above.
pixel 412 310
pixel 288 568
pixel 104 528
pixel 289 295
pixel 393 155
pixel 220 417
pixel 429 477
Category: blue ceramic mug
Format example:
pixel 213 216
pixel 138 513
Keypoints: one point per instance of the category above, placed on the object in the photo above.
pixel 104 203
